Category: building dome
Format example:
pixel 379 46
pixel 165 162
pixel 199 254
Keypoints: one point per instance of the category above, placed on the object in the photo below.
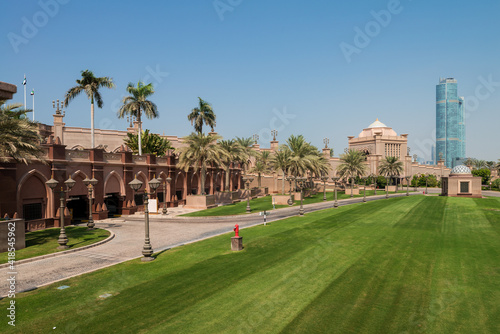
pixel 377 128
pixel 460 170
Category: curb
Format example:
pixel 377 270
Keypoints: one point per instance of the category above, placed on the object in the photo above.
pixel 42 257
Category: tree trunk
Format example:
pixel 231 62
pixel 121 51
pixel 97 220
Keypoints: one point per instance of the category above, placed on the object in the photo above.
pixel 139 142
pixel 92 123
pixel 283 184
pixel 352 186
pixel 226 188
pixel 202 178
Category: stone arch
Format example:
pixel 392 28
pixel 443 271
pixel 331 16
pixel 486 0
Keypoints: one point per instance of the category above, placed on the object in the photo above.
pixel 194 183
pixel 47 198
pixel 117 150
pixel 179 185
pixel 114 183
pixel 78 148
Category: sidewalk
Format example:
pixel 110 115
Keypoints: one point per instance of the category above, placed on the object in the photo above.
pixel 165 232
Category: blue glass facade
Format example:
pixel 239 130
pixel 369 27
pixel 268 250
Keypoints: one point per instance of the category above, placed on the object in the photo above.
pixel 450 122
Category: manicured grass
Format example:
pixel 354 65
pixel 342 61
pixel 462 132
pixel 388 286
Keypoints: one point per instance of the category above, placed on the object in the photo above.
pixel 265 203
pixel 45 241
pixel 405 265
pixel 256 205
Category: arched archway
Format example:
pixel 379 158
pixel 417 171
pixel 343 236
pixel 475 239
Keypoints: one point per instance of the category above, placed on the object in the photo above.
pixel 34 198
pixel 194 189
pixel 180 190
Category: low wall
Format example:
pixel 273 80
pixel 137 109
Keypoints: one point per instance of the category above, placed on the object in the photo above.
pixel 39 224
pixel 200 202
pixel 281 199
pixel 12 231
pixel 226 197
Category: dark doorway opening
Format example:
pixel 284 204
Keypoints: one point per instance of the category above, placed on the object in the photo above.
pixel 112 202
pixel 78 206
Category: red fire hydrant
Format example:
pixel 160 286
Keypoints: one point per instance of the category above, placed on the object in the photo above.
pixel 236 230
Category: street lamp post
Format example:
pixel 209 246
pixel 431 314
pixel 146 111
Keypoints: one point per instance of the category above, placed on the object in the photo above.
pixel 387 187
pixel 167 180
pixel 407 178
pixel 426 177
pixel 290 180
pixel 301 183
pixel 324 179
pixel 90 183
pixel 147 250
pixel 69 183
pixel 364 190
pixel 247 181
pixel 335 203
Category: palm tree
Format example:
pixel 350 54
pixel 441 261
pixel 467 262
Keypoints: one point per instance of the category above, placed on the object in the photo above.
pixel 247 151
pixel 281 161
pixel 201 150
pixel 391 167
pixel 233 152
pixel 202 114
pixel 151 143
pixel 303 155
pixel 352 166
pixel 19 137
pixel 90 85
pixel 137 103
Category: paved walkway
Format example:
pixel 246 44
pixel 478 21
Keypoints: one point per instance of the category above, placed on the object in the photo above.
pixel 166 232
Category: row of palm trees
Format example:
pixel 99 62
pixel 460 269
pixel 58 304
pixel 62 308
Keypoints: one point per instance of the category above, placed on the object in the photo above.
pixel 353 166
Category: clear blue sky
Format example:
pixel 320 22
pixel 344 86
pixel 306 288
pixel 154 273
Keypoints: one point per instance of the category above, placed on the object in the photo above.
pixel 255 59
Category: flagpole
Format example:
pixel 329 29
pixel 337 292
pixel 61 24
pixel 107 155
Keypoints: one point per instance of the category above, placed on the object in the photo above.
pixel 33 105
pixel 24 84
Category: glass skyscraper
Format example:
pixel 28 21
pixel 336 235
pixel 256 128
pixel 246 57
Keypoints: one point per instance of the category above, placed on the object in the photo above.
pixel 450 123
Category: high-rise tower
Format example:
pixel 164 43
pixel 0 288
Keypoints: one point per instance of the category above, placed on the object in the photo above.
pixel 450 123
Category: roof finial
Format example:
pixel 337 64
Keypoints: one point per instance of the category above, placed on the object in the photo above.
pixel 376 120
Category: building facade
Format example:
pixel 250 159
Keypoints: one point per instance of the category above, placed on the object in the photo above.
pixel 450 123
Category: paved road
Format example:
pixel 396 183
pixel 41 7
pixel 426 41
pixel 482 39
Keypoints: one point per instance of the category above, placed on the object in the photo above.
pixel 127 244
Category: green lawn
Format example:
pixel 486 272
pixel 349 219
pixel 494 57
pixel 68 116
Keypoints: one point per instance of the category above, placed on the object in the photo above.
pixel 404 265
pixel 45 241
pixel 265 203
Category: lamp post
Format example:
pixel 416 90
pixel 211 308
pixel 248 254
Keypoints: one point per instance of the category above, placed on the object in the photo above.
pixel 324 179
pixel 387 187
pixel 301 182
pixel 247 181
pixel 335 203
pixel 426 177
pixel 90 184
pixel 135 184
pixel 63 239
pixel 364 190
pixel 167 180
pixel 407 178
pixel 290 180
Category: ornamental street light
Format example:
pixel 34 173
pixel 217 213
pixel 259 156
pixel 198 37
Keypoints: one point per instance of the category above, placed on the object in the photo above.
pixel 364 190
pixel 247 181
pixel 135 184
pixel 69 183
pixel 324 179
pixel 90 184
pixel 301 181
pixel 167 180
pixel 335 203
pixel 290 179
pixel 426 178
pixel 407 178
pixel 387 187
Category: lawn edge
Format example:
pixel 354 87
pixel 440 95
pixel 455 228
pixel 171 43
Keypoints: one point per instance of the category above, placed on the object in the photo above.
pixel 42 257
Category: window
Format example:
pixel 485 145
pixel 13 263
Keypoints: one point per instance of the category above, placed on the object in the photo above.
pixel 464 187
pixel 32 211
